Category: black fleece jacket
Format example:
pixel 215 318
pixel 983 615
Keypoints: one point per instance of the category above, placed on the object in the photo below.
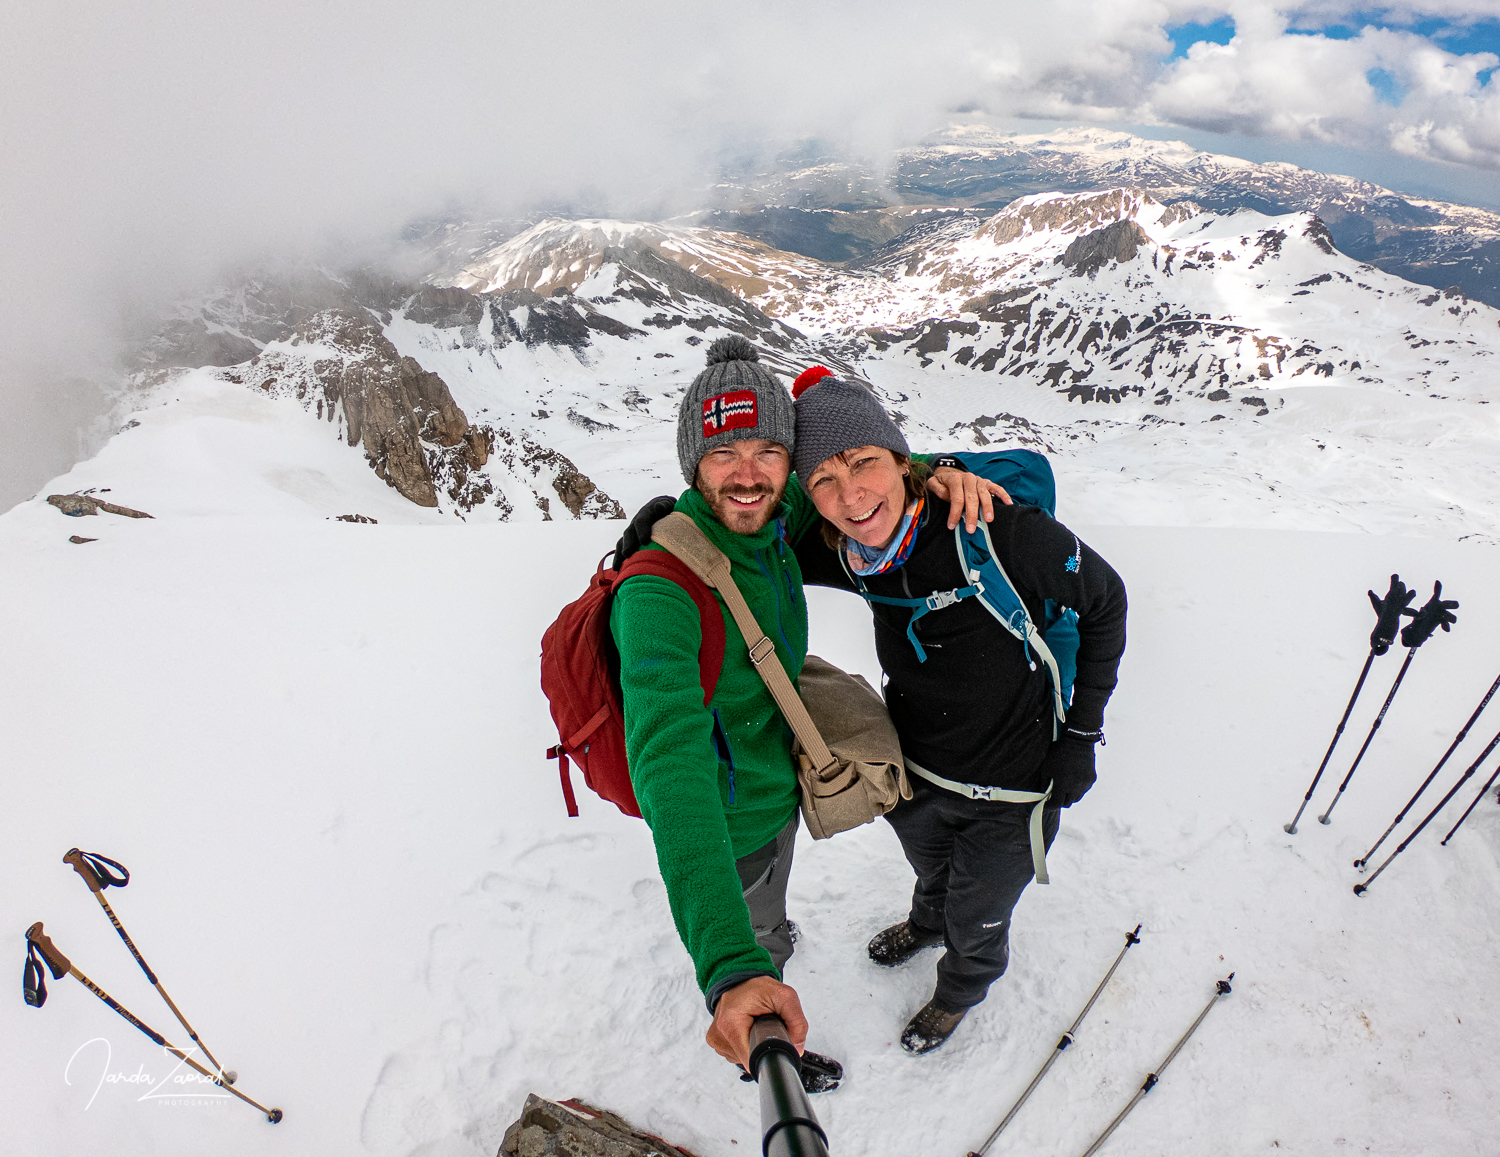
pixel 975 711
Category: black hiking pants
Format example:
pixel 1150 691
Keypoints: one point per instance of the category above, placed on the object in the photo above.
pixel 973 860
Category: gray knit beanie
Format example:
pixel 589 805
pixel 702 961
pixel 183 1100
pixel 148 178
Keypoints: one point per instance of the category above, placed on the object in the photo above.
pixel 735 399
pixel 834 416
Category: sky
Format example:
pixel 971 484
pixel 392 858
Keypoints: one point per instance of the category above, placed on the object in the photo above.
pixel 152 146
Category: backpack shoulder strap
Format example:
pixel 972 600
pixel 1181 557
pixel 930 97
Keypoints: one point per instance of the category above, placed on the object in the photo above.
pixel 680 535
pixel 998 595
pixel 662 564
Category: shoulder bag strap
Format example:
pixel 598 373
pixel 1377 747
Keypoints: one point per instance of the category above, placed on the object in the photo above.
pixel 680 535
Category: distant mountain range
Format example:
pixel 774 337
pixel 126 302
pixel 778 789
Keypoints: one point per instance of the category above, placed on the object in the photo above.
pixel 836 211
pixel 540 377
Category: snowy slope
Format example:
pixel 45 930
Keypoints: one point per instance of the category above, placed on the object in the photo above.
pixel 319 749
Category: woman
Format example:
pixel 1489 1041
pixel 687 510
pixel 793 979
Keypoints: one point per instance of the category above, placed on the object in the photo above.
pixel 974 708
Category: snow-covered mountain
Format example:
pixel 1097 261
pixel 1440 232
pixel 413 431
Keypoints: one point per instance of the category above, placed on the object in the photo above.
pixel 1112 329
pixel 1427 241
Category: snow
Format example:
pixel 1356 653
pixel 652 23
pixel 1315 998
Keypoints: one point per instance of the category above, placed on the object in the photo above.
pixel 318 747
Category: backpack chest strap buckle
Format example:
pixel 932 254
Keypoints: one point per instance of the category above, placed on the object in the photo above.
pixel 937 602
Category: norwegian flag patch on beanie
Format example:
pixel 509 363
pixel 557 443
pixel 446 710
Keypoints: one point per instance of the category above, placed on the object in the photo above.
pixel 735 410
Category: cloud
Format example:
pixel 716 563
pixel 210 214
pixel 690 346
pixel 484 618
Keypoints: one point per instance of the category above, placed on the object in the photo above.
pixel 150 146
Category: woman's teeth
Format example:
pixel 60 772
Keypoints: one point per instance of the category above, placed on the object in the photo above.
pixel 867 515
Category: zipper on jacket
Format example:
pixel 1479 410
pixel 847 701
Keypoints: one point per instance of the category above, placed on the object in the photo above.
pixel 780 629
pixel 721 743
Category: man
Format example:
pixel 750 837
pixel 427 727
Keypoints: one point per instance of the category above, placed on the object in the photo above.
pixel 717 784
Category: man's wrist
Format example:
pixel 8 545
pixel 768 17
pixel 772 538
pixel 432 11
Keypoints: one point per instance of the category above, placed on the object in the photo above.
pixel 728 981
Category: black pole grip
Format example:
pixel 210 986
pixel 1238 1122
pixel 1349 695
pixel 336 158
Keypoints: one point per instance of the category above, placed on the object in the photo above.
pixel 789 1127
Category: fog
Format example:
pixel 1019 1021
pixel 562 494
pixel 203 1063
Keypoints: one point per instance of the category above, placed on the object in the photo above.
pixel 150 148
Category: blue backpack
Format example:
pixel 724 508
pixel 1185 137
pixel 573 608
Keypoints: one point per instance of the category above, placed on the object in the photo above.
pixel 1027 476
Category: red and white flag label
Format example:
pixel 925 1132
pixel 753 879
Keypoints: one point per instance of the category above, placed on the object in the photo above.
pixel 732 411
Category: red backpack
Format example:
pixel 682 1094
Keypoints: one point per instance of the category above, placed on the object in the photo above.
pixel 581 676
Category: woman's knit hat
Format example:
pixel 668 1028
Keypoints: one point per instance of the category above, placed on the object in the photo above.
pixel 834 416
pixel 734 400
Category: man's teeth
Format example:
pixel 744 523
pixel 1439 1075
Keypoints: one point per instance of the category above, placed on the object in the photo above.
pixel 751 501
pixel 867 515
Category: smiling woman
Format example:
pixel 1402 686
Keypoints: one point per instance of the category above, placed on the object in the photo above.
pixel 863 494
pixel 981 721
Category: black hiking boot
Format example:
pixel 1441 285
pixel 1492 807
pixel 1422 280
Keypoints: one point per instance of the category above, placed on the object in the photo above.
pixel 900 942
pixel 820 1074
pixel 929 1029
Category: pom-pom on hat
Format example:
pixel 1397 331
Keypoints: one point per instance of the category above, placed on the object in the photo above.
pixel 834 416
pixel 735 399
pixel 809 377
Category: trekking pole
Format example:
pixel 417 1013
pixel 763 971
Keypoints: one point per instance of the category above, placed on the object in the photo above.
pixel 1221 990
pixel 39 943
pixel 1374 727
pixel 95 872
pixel 1364 860
pixel 789 1127
pixel 1482 793
pixel 1388 611
pixel 1064 1041
pixel 1291 828
pixel 1436 612
pixel 1361 889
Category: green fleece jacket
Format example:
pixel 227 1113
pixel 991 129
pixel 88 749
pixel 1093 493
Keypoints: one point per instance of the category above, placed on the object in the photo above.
pixel 714 783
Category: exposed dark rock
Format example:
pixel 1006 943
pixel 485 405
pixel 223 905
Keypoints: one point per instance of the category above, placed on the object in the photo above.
pixel 575 1128
pixel 78 505
pixel 79 539
pixel 444 308
pixel 1090 253
pixel 1318 234
pixel 357 518
pixel 384 402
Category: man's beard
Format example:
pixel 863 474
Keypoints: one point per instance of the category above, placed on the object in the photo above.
pixel 737 518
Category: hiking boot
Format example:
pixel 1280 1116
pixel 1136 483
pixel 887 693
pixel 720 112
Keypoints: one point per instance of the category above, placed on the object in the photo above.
pixel 820 1074
pixel 900 942
pixel 929 1028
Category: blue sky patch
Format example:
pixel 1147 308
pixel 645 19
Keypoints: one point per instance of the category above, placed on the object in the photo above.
pixel 1388 89
pixel 1184 36
pixel 1459 39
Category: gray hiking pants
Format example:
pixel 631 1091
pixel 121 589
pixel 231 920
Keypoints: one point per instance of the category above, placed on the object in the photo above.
pixel 763 876
pixel 973 860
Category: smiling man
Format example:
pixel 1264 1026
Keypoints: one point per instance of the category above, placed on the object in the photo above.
pixel 717 783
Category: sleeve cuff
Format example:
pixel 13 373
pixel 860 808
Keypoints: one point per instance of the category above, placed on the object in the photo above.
pixel 719 987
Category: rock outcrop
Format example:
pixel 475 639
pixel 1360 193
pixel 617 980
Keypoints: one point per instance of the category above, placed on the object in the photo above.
pixel 576 1129
pixel 339 363
pixel 79 505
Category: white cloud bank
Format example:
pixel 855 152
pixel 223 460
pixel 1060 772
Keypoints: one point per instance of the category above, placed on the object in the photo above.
pixel 148 145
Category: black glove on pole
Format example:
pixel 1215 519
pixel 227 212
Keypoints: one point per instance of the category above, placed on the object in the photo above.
pixel 1437 612
pixel 638 533
pixel 1364 861
pixel 1397 602
pixel 1388 621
